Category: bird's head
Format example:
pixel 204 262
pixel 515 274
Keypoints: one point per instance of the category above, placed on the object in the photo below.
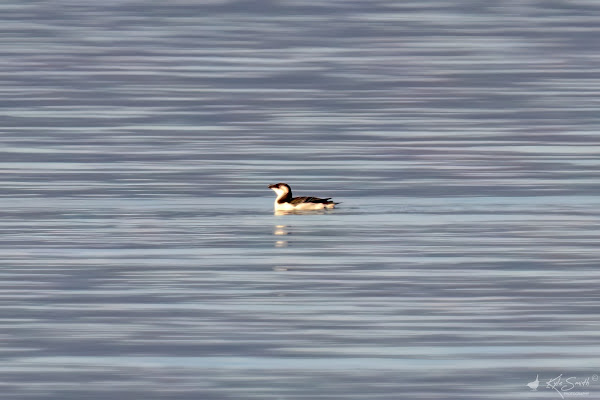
pixel 280 188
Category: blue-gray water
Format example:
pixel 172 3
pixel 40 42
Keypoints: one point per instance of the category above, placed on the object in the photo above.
pixel 140 256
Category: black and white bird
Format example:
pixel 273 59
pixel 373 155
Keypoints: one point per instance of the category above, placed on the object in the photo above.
pixel 285 201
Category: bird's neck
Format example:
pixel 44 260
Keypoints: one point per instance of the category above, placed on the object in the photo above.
pixel 283 197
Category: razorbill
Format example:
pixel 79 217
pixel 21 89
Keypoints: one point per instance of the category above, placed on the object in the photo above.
pixel 285 201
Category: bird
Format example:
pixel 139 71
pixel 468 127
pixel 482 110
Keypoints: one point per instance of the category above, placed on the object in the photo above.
pixel 534 385
pixel 285 201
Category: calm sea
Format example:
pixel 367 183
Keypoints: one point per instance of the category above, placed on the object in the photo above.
pixel 140 257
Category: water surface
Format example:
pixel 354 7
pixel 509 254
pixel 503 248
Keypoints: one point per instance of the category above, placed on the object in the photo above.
pixel 141 257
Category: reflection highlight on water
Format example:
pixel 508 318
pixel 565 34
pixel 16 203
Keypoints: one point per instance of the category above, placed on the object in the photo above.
pixel 141 257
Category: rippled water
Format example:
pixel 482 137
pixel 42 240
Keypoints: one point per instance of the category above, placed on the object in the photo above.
pixel 141 257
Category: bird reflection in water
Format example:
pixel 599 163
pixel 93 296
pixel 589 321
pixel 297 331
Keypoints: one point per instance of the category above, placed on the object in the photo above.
pixel 300 212
pixel 281 230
